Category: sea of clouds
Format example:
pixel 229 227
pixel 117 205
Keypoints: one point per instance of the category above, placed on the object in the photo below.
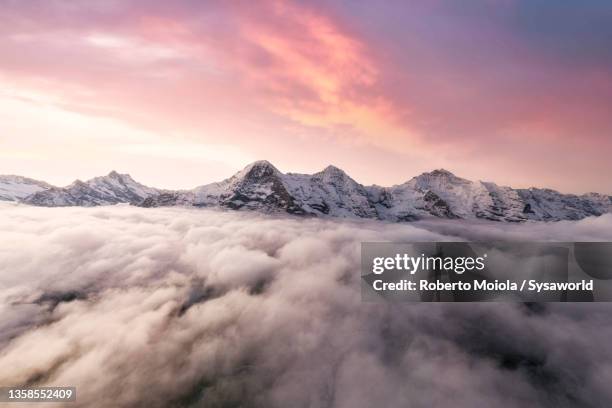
pixel 182 308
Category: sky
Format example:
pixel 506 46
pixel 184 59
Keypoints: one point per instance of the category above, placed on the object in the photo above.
pixel 179 94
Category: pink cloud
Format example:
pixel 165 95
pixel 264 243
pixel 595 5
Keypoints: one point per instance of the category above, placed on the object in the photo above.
pixel 277 77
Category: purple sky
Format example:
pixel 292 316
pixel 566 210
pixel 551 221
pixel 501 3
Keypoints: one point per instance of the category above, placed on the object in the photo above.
pixel 183 93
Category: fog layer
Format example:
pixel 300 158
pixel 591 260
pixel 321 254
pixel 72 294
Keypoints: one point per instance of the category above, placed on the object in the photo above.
pixel 183 308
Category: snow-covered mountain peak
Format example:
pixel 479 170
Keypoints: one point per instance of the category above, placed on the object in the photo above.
pixel 438 180
pixel 260 168
pixel 331 169
pixel 110 189
pixel 256 173
pixel 114 175
pixel 14 188
pixel 77 183
pixel 331 192
pixel 332 174
pixel 440 173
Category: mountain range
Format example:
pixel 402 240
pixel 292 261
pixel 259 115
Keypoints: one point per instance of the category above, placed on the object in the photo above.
pixel 331 192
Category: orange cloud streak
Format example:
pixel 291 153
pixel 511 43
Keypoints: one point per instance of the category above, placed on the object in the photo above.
pixel 332 71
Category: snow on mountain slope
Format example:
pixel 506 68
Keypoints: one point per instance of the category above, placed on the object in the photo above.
pixel 465 198
pixel 546 204
pixel 110 189
pixel 486 200
pixel 14 188
pixel 506 204
pixel 331 192
pixel 405 203
pixel 259 186
pixel 443 194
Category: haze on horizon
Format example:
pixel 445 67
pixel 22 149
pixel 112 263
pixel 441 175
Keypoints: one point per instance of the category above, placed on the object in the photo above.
pixel 179 95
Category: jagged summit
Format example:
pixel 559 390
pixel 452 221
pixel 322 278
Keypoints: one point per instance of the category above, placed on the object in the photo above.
pixel 440 172
pixel 260 171
pixel 113 188
pixel 262 162
pixel 77 184
pixel 260 165
pixel 115 175
pixel 333 174
pixel 256 170
pixel 331 192
pixel 331 169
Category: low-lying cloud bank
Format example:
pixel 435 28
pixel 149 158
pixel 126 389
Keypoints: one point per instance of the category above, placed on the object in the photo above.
pixel 180 308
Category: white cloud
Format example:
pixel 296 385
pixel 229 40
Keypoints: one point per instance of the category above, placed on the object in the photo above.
pixel 178 307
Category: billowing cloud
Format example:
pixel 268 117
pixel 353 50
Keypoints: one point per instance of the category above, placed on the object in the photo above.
pixel 180 307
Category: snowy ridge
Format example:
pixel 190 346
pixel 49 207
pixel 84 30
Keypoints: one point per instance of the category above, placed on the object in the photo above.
pixel 14 188
pixel 113 188
pixel 329 193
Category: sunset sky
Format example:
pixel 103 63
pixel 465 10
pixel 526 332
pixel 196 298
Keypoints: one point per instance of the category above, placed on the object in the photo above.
pixel 182 93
